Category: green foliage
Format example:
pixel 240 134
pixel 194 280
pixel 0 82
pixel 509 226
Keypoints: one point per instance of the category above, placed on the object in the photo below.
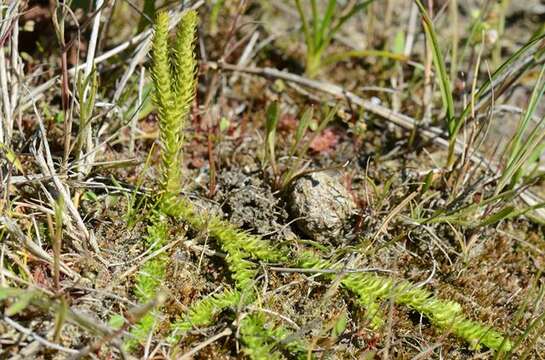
pixel 141 331
pixel 524 149
pixel 283 175
pixel 225 233
pixel 87 88
pixel 22 300
pixel 340 325
pixel 264 340
pixel 240 246
pixel 174 80
pixel 174 92
pixel 169 123
pixel 150 277
pixel 256 338
pixel 272 119
pixel 446 315
pixel 148 13
pixel 185 65
pixel 204 311
pixel 444 80
pixel 515 66
pixel 454 123
pixel 319 30
pixel 214 13
pixel 466 215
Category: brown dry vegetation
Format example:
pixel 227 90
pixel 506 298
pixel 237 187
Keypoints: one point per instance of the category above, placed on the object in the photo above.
pixel 80 178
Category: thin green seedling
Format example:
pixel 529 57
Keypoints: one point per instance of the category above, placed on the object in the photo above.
pixel 55 233
pixel 502 78
pixel 271 123
pixel 214 14
pixel 320 30
pixel 298 148
pixel 87 88
pixel 455 28
pixel 136 203
pixel 60 318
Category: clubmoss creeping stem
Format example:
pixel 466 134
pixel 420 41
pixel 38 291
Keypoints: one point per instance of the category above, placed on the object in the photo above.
pixel 446 315
pixel 263 340
pixel 150 277
pixel 203 312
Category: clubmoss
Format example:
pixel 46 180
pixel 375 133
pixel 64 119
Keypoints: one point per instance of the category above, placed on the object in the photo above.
pixel 204 312
pixel 256 338
pixel 239 245
pixel 446 315
pixel 174 80
pixel 150 277
pixel 263 340
pixel 225 233
pixel 174 83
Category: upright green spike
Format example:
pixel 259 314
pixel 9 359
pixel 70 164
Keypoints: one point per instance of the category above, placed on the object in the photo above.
pixel 185 63
pixel 174 92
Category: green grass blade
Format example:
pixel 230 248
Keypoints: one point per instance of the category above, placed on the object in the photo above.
pixel 326 22
pixel 272 118
pixel 521 152
pixel 301 129
pixel 522 60
pixel 444 81
pixel 147 15
pixel 304 24
pixel 315 23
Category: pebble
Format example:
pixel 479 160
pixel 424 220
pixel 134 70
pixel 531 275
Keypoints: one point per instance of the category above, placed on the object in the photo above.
pixel 322 206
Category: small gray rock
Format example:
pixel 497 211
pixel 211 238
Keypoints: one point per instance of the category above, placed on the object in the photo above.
pixel 323 204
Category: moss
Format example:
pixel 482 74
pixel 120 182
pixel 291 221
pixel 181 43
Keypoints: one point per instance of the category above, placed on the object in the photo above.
pixel 446 315
pixel 150 277
pixel 264 340
pixel 203 312
pixel 256 338
pixel 173 96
